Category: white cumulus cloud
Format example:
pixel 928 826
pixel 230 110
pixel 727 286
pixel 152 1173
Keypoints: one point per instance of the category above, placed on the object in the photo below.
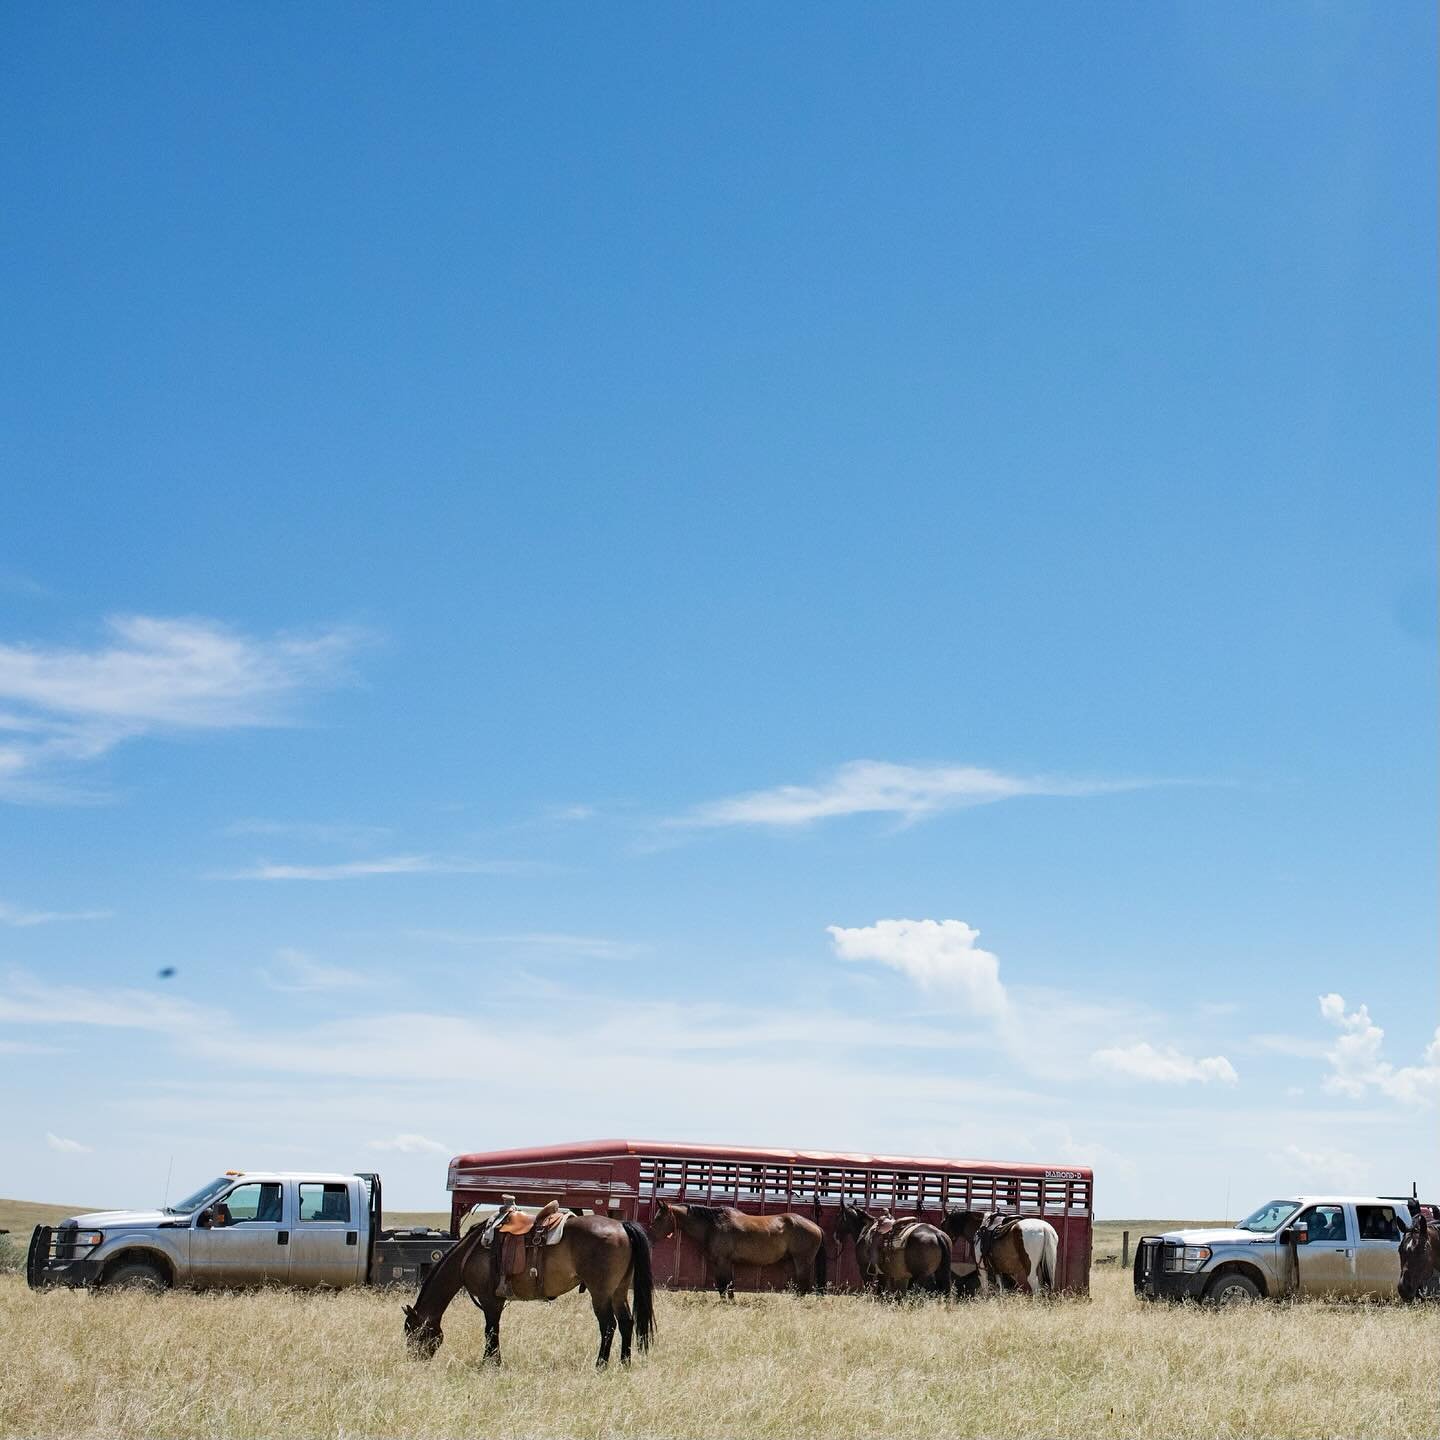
pixel 1142 1061
pixel 1357 1065
pixel 1332 1169
pixel 932 953
pixel 878 787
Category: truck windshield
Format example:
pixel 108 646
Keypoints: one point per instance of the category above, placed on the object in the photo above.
pixel 202 1196
pixel 1269 1217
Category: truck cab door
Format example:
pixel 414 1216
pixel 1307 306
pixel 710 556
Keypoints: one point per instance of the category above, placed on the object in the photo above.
pixel 1377 1251
pixel 1327 1263
pixel 325 1247
pixel 248 1240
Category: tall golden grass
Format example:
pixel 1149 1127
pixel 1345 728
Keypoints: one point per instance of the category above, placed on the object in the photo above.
pixel 288 1364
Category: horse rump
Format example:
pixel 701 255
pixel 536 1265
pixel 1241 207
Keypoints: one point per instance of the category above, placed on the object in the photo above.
pixel 942 1281
pixel 643 1281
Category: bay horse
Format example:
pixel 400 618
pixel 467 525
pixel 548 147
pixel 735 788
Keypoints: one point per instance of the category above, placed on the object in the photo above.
pixel 730 1237
pixel 1012 1253
pixel 607 1257
pixel 921 1258
pixel 1420 1258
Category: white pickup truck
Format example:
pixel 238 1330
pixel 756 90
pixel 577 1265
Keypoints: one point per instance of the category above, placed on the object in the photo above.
pixel 245 1228
pixel 1301 1245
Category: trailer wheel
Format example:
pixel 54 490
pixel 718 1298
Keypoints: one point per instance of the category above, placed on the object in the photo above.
pixel 137 1275
pixel 1233 1289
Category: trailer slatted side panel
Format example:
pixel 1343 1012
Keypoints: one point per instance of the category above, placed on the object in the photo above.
pixel 627 1179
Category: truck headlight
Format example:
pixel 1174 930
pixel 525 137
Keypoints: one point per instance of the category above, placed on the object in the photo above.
pixel 90 1237
pixel 1195 1257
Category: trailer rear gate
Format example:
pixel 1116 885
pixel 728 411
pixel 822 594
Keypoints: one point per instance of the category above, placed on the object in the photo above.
pixel 625 1178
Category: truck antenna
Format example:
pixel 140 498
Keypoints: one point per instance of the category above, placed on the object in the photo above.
pixel 168 1168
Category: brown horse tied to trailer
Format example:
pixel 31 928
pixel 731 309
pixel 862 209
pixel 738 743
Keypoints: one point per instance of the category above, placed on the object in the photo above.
pixel 895 1253
pixel 731 1237
pixel 1420 1255
pixel 609 1258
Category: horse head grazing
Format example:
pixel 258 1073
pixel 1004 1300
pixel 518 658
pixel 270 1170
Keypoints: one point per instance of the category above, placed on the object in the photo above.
pixel 422 1333
pixel 1420 1259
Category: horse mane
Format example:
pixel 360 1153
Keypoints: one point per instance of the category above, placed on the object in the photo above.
pixel 712 1215
pixel 454 1255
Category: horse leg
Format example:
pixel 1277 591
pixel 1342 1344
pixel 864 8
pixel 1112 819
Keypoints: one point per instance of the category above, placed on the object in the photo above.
pixel 626 1322
pixel 804 1273
pixel 492 1331
pixel 725 1282
pixel 605 1318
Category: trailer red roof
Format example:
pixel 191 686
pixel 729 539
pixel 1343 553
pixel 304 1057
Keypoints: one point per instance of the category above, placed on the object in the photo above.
pixel 676 1150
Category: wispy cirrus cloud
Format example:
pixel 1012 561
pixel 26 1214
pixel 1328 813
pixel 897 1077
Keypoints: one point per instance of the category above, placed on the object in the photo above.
pixel 593 947
pixel 26 1000
pixel 1143 1061
pixel 878 787
pixel 152 675
pixel 297 972
pixel 64 1145
pixel 22 919
pixel 382 865
pixel 410 1145
pixel 321 832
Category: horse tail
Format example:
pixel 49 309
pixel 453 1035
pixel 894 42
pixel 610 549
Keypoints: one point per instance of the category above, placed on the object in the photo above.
pixel 943 1277
pixel 643 1280
pixel 820 1264
pixel 1049 1253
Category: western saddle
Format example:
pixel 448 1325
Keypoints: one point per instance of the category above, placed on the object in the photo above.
pixel 517 1239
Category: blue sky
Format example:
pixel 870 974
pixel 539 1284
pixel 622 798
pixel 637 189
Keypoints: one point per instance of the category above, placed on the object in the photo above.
pixel 844 577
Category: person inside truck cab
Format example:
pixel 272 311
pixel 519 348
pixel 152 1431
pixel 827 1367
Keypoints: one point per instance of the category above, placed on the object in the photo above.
pixel 1326 1223
pixel 247 1204
pixel 1378 1222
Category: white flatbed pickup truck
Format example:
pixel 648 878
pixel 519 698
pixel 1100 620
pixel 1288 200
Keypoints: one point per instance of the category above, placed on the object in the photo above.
pixel 259 1227
pixel 1301 1245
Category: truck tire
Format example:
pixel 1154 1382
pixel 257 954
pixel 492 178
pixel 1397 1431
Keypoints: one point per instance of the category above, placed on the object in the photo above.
pixel 136 1275
pixel 1233 1289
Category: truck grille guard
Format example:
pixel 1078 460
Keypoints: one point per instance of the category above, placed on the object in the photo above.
pixel 1150 1262
pixel 52 1249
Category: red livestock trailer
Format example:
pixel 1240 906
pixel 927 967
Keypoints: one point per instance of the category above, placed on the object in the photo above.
pixel 625 1178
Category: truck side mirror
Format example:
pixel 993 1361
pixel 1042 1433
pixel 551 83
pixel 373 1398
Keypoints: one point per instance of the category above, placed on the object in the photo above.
pixel 203 1219
pixel 1300 1233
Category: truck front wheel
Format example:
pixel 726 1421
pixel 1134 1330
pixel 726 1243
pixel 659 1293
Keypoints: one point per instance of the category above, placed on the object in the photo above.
pixel 1233 1289
pixel 136 1275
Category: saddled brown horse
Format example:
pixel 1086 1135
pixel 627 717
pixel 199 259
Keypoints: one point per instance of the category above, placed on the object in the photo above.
pixel 896 1253
pixel 608 1257
pixel 1012 1253
pixel 731 1237
pixel 1420 1258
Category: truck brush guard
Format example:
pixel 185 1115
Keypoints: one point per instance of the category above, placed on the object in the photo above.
pixel 60 1255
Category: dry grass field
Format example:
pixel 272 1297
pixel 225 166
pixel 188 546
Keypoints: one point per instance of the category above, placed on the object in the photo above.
pixel 278 1364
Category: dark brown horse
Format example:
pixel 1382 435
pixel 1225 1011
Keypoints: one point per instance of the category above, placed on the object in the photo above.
pixel 1420 1258
pixel 608 1257
pixel 731 1237
pixel 894 1254
pixel 1012 1253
